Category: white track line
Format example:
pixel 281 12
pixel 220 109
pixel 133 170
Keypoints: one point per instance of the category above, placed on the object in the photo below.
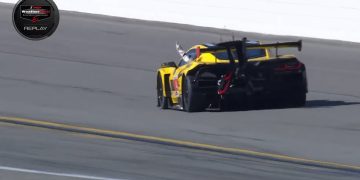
pixel 55 174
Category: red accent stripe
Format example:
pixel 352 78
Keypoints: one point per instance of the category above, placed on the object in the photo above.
pixel 227 78
pixel 198 53
pixel 176 84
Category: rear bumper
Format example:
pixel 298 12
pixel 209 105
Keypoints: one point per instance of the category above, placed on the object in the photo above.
pixel 278 83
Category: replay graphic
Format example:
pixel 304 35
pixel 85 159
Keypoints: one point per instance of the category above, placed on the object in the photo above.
pixel 36 19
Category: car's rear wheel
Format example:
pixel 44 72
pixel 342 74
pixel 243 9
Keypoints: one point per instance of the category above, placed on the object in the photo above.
pixel 162 101
pixel 191 101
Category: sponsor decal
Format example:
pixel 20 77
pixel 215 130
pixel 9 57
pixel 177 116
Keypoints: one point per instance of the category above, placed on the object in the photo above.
pixel 36 19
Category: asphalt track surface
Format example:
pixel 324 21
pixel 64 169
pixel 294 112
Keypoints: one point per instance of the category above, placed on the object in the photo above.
pixel 99 72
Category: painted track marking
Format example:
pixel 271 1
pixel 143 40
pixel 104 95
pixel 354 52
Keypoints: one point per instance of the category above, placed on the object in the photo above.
pixel 79 176
pixel 178 143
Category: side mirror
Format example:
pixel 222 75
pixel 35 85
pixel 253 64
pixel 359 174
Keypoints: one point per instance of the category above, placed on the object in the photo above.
pixel 169 64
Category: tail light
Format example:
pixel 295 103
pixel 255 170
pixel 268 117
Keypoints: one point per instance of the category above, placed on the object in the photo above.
pixel 289 66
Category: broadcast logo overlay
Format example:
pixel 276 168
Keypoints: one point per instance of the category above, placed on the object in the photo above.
pixel 36 19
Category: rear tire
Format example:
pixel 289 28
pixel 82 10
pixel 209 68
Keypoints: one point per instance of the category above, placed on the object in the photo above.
pixel 191 101
pixel 162 102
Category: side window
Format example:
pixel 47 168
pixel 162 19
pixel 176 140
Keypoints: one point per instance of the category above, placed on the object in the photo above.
pixel 189 56
pixel 182 62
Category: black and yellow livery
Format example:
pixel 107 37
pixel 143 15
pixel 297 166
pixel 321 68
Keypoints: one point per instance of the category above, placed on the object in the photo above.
pixel 235 73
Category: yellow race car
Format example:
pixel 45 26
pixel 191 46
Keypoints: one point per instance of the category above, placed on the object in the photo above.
pixel 232 74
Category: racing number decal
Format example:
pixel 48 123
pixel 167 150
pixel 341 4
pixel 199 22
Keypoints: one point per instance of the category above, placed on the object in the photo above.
pixel 175 83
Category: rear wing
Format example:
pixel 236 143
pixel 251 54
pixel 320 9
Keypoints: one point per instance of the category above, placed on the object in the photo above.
pixel 242 46
pixel 277 45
